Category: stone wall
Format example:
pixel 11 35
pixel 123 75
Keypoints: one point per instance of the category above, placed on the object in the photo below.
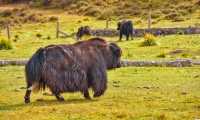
pixel 127 63
pixel 141 32
pixel 175 63
pixel 12 62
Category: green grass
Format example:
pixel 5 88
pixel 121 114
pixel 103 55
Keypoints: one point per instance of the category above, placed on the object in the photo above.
pixel 132 94
pixel 27 41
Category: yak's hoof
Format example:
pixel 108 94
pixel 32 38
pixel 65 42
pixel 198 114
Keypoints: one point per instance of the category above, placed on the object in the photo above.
pixel 97 95
pixel 60 99
pixel 88 98
pixel 27 100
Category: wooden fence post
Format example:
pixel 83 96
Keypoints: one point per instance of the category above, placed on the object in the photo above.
pixel 149 20
pixel 8 31
pixel 57 29
pixel 107 23
pixel 149 16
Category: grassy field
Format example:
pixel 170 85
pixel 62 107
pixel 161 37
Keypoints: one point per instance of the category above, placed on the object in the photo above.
pixel 133 93
pixel 28 42
pixel 151 93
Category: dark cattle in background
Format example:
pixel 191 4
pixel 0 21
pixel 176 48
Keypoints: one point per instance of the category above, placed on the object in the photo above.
pixel 125 28
pixel 85 30
pixel 72 68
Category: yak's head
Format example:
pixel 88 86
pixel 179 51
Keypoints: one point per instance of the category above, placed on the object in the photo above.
pixel 118 25
pixel 110 52
pixel 115 56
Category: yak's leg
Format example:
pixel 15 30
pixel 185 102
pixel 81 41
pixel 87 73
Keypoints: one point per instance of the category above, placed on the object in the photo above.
pixel 127 37
pixel 28 93
pixel 59 97
pixel 132 36
pixel 120 37
pixel 86 94
pixel 98 78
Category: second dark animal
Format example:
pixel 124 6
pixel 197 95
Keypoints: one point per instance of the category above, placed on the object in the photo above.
pixel 84 30
pixel 125 27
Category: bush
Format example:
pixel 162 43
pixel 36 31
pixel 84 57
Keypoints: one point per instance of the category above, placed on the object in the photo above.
pixel 53 19
pixel 16 38
pixel 6 13
pixel 149 40
pixel 5 44
pixel 162 55
pixel 186 55
pixel 38 35
pixel 48 37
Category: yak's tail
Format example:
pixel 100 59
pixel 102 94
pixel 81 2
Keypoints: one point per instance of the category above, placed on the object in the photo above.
pixel 34 70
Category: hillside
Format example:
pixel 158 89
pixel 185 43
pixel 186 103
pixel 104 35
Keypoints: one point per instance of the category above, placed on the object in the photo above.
pixel 175 10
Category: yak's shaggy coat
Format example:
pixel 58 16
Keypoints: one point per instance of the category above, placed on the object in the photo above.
pixel 125 28
pixel 71 68
pixel 85 30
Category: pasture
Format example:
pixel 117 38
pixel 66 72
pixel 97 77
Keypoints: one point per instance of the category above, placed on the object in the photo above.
pixel 133 93
pixel 31 36
pixel 28 42
pixel 145 93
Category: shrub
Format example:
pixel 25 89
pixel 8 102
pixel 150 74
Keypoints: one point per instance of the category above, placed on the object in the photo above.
pixel 6 13
pixel 48 37
pixel 186 55
pixel 149 40
pixel 5 44
pixel 180 32
pixel 86 19
pixel 162 55
pixel 38 35
pixel 16 38
pixel 53 18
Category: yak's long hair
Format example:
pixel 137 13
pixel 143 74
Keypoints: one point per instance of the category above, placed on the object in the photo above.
pixel 75 67
pixel 125 27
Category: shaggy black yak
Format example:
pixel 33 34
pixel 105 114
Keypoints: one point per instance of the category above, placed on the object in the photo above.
pixel 125 28
pixel 85 30
pixel 72 68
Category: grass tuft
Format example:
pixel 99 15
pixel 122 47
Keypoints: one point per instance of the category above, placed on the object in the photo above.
pixel 149 40
pixel 5 44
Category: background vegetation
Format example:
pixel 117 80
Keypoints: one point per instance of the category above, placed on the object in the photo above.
pixel 133 93
pixel 174 10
